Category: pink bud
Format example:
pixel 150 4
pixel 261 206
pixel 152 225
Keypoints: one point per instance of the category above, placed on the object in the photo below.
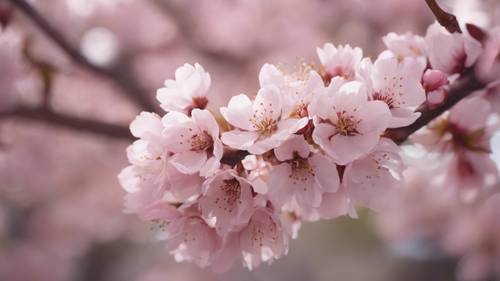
pixel 434 79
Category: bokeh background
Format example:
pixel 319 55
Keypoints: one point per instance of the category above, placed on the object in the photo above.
pixel 61 214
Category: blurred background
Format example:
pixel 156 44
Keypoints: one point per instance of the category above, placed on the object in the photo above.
pixel 61 214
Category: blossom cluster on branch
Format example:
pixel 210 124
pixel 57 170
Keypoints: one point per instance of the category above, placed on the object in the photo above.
pixel 312 144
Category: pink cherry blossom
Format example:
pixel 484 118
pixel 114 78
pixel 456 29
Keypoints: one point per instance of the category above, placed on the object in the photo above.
pixel 372 180
pixel 194 141
pixel 398 85
pixel 263 239
pixel 189 90
pixel 260 125
pixel 347 124
pixel 302 177
pixel 227 201
pixel 450 53
pixel 407 45
pixel 340 61
pixel 12 66
pixel 191 239
pixel 298 89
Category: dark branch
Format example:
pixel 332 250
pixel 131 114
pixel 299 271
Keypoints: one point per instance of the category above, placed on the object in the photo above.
pixel 447 20
pixel 121 78
pixel 462 88
pixel 69 121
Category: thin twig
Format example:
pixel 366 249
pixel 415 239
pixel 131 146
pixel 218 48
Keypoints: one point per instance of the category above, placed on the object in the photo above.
pixel 118 75
pixel 462 88
pixel 447 20
pixel 68 121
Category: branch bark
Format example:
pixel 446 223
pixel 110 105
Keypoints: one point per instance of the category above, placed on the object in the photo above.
pixel 117 75
pixel 462 88
pixel 447 20
pixel 68 121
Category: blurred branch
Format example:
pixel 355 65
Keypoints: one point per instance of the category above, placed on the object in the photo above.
pixel 68 121
pixel 460 89
pixel 187 31
pixel 120 76
pixel 447 20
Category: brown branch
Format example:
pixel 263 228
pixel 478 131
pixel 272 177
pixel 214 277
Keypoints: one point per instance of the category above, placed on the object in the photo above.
pixel 118 75
pixel 447 20
pixel 188 33
pixel 69 121
pixel 462 88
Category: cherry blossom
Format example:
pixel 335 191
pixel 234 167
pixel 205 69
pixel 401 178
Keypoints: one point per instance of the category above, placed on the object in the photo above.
pixel 227 201
pixel 371 181
pixel 259 124
pixel 340 61
pixel 347 124
pixel 189 90
pixel 194 141
pixel 263 239
pixel 398 85
pixel 450 53
pixel 407 45
pixel 302 177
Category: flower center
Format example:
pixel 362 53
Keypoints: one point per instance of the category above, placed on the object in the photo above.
pixel 347 124
pixel 265 126
pixel 301 170
pixel 232 191
pixel 201 142
pixel 392 93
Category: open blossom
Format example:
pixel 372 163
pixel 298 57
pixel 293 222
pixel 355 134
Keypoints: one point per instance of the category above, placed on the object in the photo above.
pixel 303 176
pixel 347 124
pixel 263 240
pixel 259 124
pixel 298 90
pixel 398 85
pixel 227 201
pixel 192 239
pixel 151 178
pixel 403 46
pixel 194 141
pixel 12 66
pixel 370 181
pixel 188 91
pixel 340 61
pixel 450 52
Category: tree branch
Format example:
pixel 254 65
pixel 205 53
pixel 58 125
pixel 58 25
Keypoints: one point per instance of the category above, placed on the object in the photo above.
pixel 68 121
pixel 447 20
pixel 118 75
pixel 462 88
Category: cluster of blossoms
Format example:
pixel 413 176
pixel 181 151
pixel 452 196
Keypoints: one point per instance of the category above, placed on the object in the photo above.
pixel 310 145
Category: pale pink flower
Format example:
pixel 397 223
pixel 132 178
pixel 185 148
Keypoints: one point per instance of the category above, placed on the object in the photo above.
pixel 302 177
pixel 194 141
pixel 259 124
pixel 297 89
pixel 398 85
pixel 189 90
pixel 371 181
pixel 347 124
pixel 152 178
pixel 340 61
pixel 333 205
pixel 227 201
pixel 450 52
pixel 488 66
pixel 407 45
pixel 470 114
pixel 257 172
pixel 263 239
